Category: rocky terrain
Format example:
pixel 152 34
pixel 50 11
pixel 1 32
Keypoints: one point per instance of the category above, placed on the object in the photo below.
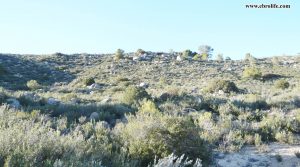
pixel 246 111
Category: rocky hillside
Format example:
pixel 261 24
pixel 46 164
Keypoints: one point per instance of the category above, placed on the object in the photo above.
pixel 215 112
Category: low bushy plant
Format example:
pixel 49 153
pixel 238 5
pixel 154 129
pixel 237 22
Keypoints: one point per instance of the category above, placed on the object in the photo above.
pixel 119 55
pixel 148 136
pixel 89 81
pixel 233 141
pixel 148 107
pixel 29 140
pixel 223 85
pixel 134 95
pixel 297 154
pixel 252 72
pixel 285 137
pixel 282 84
pixel 33 85
pixel 278 157
pixel 257 140
pixel 2 70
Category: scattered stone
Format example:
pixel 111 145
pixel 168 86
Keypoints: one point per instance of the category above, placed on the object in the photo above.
pixel 136 58
pixel 178 58
pixel 94 86
pixel 221 92
pixel 59 83
pixel 144 85
pixel 106 100
pixel 188 110
pixel 53 101
pixel 94 116
pixel 75 101
pixel 199 99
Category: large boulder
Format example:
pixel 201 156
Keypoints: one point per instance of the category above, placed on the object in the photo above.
pixel 94 116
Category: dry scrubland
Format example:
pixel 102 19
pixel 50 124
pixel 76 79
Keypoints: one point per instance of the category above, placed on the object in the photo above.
pixel 111 110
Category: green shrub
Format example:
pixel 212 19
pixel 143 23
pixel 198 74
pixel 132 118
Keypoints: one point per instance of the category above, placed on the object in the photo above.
pixel 257 140
pixel 277 127
pixel 297 154
pixel 134 95
pixel 2 70
pixel 148 136
pixel 148 107
pixel 282 84
pixel 285 137
pixel 119 54
pixel 33 85
pixel 233 141
pixel 140 52
pixel 224 85
pixel 211 132
pixel 89 81
pixel 294 122
pixel 252 72
pixel 197 57
pixel 3 96
pixel 31 141
pixel 186 54
pixel 278 157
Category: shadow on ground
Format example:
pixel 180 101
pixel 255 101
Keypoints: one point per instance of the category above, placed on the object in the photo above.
pixel 19 70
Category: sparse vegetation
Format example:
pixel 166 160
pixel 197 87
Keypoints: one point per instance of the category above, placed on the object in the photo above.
pixel 156 111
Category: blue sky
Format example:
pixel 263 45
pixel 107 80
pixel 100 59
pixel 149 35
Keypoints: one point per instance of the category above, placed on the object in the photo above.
pixel 102 26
